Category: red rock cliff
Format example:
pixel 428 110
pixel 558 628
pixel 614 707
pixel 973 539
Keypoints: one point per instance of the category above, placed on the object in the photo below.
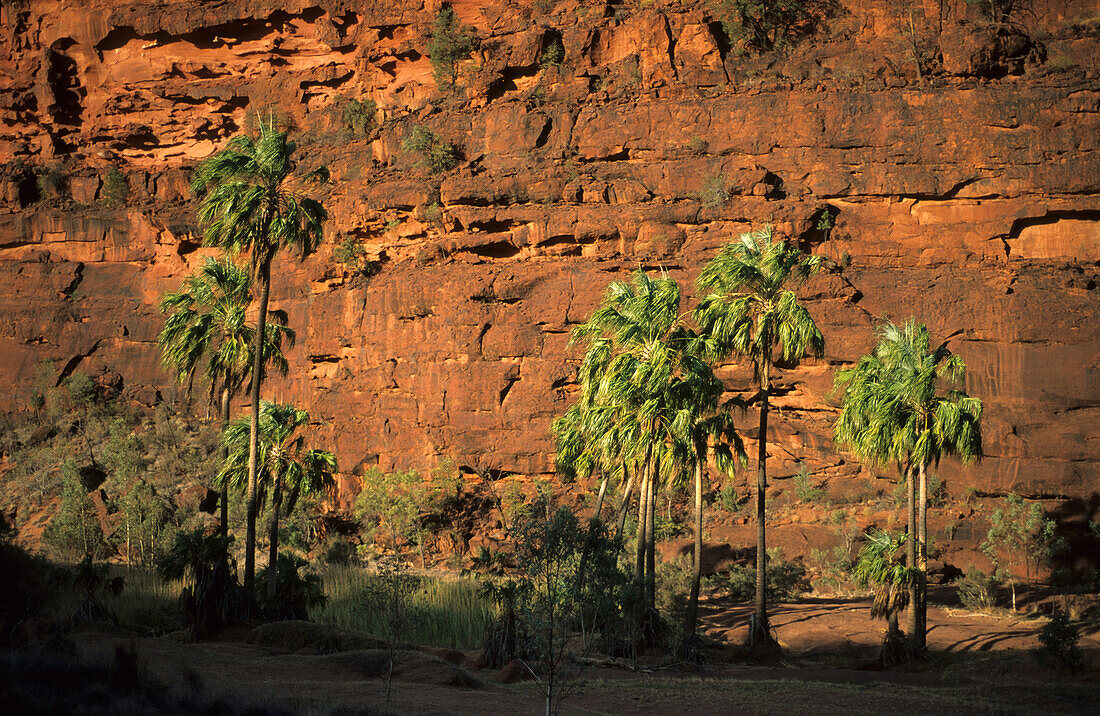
pixel 965 193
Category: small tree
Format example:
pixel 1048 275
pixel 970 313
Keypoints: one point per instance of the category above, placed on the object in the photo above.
pixel 450 42
pixel 394 500
pixel 115 191
pixel 1019 535
pixel 389 596
pixel 881 566
pixel 75 531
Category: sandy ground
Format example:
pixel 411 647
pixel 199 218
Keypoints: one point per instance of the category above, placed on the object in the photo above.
pixel 980 664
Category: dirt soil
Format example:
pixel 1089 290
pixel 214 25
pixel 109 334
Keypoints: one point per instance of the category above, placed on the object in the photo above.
pixel 979 664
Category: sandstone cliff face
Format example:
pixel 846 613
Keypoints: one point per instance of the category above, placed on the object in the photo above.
pixel 966 196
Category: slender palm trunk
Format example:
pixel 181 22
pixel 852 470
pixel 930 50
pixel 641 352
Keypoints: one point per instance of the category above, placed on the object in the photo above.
pixel 599 498
pixel 911 552
pixel 593 525
pixel 643 495
pixel 761 630
pixel 922 557
pixel 254 429
pixel 224 499
pixel 651 537
pixel 691 620
pixel 625 506
pixel 273 539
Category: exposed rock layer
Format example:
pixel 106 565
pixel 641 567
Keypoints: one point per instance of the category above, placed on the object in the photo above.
pixel 965 196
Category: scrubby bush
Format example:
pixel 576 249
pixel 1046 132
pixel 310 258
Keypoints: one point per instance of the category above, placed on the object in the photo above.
pixel 431 151
pixel 358 115
pixel 764 25
pixel 53 182
pixel 553 53
pixel 785 581
pixel 977 590
pixel 1002 10
pixel 1059 648
pixel 805 489
pixel 713 193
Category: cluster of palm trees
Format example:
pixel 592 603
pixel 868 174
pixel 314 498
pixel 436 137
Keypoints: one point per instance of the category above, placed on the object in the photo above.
pixel 650 408
pixel 899 407
pixel 650 404
pixel 251 202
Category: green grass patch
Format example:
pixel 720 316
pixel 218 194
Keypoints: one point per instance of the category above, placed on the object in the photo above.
pixel 443 612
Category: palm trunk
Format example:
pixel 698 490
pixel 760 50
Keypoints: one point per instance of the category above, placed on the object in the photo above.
pixel 691 621
pixel 911 553
pixel 273 539
pixel 225 457
pixel 643 499
pixel 922 557
pixel 651 537
pixel 625 506
pixel 254 429
pixel 599 498
pixel 761 630
pixel 593 525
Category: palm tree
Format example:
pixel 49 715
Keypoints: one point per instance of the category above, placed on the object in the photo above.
pixel 880 568
pixel 252 202
pixel 717 435
pixel 284 462
pixel 207 327
pixel 748 307
pixel 895 409
pixel 645 387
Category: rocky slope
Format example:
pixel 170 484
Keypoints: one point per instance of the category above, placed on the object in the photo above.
pixel 961 188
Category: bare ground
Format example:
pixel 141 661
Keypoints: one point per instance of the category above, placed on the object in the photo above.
pixel 979 664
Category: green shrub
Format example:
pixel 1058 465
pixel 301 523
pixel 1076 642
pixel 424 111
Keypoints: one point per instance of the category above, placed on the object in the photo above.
pixel 432 152
pixel 553 53
pixel 115 191
pixel 338 551
pixel 785 581
pixel 351 253
pixel 714 193
pixel 1059 648
pixel 977 590
pixel 805 489
pixel 359 115
pixel 53 182
pixel 450 43
pixel 698 145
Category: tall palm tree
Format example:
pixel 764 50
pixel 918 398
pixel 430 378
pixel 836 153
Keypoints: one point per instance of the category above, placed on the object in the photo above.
pixel 748 307
pixel 251 201
pixel 645 387
pixel 207 328
pixel 896 407
pixel 716 435
pixel 285 465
